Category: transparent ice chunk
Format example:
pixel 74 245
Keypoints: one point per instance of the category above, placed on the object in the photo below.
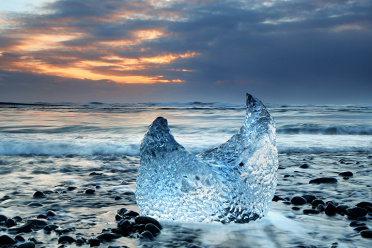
pixel 233 182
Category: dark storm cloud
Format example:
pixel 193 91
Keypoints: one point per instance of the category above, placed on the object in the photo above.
pixel 283 50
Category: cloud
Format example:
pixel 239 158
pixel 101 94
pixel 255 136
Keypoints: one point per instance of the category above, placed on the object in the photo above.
pixel 186 49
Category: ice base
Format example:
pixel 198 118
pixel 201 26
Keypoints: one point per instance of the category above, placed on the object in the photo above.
pixel 233 182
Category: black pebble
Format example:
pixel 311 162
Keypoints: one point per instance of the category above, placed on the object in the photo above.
pixel 131 213
pixel 366 205
pixel 6 240
pixel 51 213
pixel 3 218
pixel 341 209
pixel 346 174
pixel 304 166
pixel 10 223
pixel 125 227
pixel 90 191
pixel 330 208
pixel 323 180
pixel 41 216
pixel 320 208
pixel 316 202
pixel 39 194
pixel 309 198
pixel 94 242
pixel 310 211
pixel 296 208
pixel 277 198
pixel 122 211
pixel 71 188
pixel 117 198
pixel 152 228
pixel 147 235
pixel 361 228
pixel 38 222
pixel 21 229
pixel 298 200
pixel 118 217
pixel 146 219
pixel 80 241
pixel 66 238
pixel 19 238
pixel 355 213
pixel 107 236
pixel 357 223
pixel 366 233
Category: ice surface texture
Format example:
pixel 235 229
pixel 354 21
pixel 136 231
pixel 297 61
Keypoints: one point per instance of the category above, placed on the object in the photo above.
pixel 233 182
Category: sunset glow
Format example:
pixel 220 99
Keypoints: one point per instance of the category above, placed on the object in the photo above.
pixel 185 49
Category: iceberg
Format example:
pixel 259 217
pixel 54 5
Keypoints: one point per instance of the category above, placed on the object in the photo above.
pixel 233 182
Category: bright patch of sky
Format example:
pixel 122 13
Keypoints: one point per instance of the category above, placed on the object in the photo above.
pixel 22 6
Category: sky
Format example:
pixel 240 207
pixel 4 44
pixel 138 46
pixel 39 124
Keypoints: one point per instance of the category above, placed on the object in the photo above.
pixel 281 51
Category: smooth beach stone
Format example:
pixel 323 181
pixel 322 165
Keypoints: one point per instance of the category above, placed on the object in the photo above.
pixel 117 198
pixel 277 198
pixel 298 200
pixel 122 211
pixel 3 218
pixel 304 166
pixel 152 228
pixel 10 223
pixel 41 216
pixel 320 208
pixel 330 209
pixel 6 240
pixel 131 213
pixel 90 191
pixel 39 194
pixel 366 205
pixel 118 217
pixel 342 209
pixel 361 228
pixel 366 234
pixel 310 211
pixel 146 220
pixel 71 188
pixel 323 180
pixel 51 213
pixel 28 244
pixel 19 238
pixel 38 222
pixel 93 242
pixel 316 202
pixel 357 223
pixel 66 238
pixel 346 174
pixel 125 226
pixel 309 198
pixel 356 212
pixel 147 235
pixel 108 236
pixel 21 229
pixel 34 205
pixel 80 241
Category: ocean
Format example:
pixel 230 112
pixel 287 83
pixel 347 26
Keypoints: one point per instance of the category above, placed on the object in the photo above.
pixel 62 149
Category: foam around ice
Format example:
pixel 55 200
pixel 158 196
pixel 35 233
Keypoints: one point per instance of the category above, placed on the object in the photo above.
pixel 233 182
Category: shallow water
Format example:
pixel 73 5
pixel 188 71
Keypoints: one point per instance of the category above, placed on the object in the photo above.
pixel 52 148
